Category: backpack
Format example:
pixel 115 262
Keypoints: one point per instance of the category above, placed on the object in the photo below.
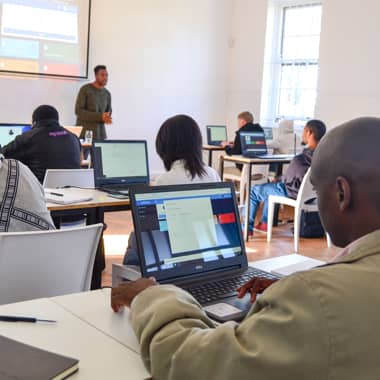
pixel 311 225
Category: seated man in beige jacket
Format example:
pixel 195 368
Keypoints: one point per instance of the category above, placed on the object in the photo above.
pixel 319 324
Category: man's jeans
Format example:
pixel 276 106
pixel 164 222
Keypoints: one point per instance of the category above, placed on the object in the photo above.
pixel 261 193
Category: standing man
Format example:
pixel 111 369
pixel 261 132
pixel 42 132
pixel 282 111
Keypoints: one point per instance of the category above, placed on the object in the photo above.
pixel 93 106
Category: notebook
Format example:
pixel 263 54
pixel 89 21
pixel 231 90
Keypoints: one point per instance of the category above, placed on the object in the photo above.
pixel 190 236
pixel 62 197
pixel 23 362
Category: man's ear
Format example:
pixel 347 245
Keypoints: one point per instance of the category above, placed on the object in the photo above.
pixel 344 194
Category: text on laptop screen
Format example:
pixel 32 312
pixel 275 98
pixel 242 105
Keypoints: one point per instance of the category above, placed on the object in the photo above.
pixel 218 133
pixel 188 231
pixel 125 159
pixel 254 142
pixel 8 132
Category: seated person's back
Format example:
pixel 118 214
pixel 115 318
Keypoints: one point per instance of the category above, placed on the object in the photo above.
pixel 20 190
pixel 46 146
pixel 179 145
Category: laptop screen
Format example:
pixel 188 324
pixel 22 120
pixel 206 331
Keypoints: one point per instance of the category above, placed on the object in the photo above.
pixel 8 132
pixel 118 162
pixel 216 134
pixel 187 230
pixel 253 143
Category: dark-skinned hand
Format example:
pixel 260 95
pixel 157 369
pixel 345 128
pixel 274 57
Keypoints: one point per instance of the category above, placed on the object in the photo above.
pixel 255 286
pixel 124 294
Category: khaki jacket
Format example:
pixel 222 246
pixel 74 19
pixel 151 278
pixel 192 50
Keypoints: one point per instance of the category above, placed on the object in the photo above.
pixel 314 325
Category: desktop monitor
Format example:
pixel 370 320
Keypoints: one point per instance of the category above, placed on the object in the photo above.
pixel 187 230
pixel 9 131
pixel 120 162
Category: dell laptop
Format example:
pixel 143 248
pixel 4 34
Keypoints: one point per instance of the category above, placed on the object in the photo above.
pixel 254 145
pixel 120 164
pixel 216 134
pixel 190 236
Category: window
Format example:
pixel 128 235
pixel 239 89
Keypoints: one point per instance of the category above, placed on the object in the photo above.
pixel 293 67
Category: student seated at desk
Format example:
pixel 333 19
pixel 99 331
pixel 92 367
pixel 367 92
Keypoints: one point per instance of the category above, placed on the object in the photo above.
pixel 313 132
pixel 46 146
pixel 22 199
pixel 245 124
pixel 319 324
pixel 179 145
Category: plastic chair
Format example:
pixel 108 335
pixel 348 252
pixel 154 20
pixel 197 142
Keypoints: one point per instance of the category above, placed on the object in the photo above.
pixel 47 264
pixel 69 177
pixel 259 177
pixel 305 194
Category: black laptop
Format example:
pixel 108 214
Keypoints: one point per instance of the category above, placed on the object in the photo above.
pixel 120 164
pixel 216 134
pixel 254 145
pixel 190 236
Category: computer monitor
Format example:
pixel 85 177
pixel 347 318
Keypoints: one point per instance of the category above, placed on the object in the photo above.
pixel 187 230
pixel 120 162
pixel 216 134
pixel 9 131
pixel 268 134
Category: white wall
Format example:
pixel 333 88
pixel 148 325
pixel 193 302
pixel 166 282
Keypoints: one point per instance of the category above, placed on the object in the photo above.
pixel 247 47
pixel 349 84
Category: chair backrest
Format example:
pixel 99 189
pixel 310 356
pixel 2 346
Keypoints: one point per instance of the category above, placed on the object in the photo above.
pixel 47 264
pixel 69 177
pixel 306 191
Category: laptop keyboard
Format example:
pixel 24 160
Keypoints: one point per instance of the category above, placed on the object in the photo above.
pixel 220 289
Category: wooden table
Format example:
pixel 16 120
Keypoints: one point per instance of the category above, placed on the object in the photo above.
pixel 94 210
pixel 238 159
pixel 210 149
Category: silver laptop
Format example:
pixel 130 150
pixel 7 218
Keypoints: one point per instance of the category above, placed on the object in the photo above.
pixel 190 236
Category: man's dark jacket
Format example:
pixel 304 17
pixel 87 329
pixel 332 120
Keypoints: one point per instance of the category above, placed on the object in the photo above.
pixel 46 146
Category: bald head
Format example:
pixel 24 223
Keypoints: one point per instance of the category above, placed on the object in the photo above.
pixel 346 174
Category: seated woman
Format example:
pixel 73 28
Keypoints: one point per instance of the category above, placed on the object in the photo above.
pixel 179 145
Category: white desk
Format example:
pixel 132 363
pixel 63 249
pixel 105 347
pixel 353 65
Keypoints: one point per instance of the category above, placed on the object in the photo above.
pixel 100 357
pixel 95 309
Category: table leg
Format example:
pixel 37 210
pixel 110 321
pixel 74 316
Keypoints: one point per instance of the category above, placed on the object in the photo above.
pixel 221 167
pixel 210 158
pixel 100 261
pixel 247 202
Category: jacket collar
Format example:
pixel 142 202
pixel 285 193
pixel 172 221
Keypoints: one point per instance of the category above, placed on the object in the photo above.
pixel 50 123
pixel 367 245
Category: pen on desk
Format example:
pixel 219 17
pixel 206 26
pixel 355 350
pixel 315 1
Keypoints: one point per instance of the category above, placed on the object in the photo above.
pixel 57 194
pixel 13 318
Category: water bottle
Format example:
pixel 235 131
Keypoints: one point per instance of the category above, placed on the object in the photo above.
pixel 88 137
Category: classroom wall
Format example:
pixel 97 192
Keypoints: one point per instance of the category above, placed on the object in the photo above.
pixel 349 84
pixel 164 57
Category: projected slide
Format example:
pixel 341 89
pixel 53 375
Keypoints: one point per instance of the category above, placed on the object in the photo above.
pixel 44 37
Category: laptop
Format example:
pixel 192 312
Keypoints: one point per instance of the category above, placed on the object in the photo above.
pixel 190 236
pixel 120 164
pixel 8 132
pixel 253 145
pixel 216 134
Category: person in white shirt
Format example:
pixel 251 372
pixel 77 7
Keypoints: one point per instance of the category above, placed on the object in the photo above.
pixel 179 145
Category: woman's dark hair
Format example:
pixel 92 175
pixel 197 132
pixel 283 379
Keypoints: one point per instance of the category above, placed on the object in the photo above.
pixel 180 138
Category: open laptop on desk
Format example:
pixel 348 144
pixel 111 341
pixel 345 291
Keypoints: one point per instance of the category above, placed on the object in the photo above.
pixel 190 236
pixel 8 132
pixel 254 145
pixel 120 164
pixel 216 134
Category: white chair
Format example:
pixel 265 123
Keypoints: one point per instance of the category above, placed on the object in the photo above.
pixel 305 194
pixel 69 177
pixel 234 175
pixel 48 263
